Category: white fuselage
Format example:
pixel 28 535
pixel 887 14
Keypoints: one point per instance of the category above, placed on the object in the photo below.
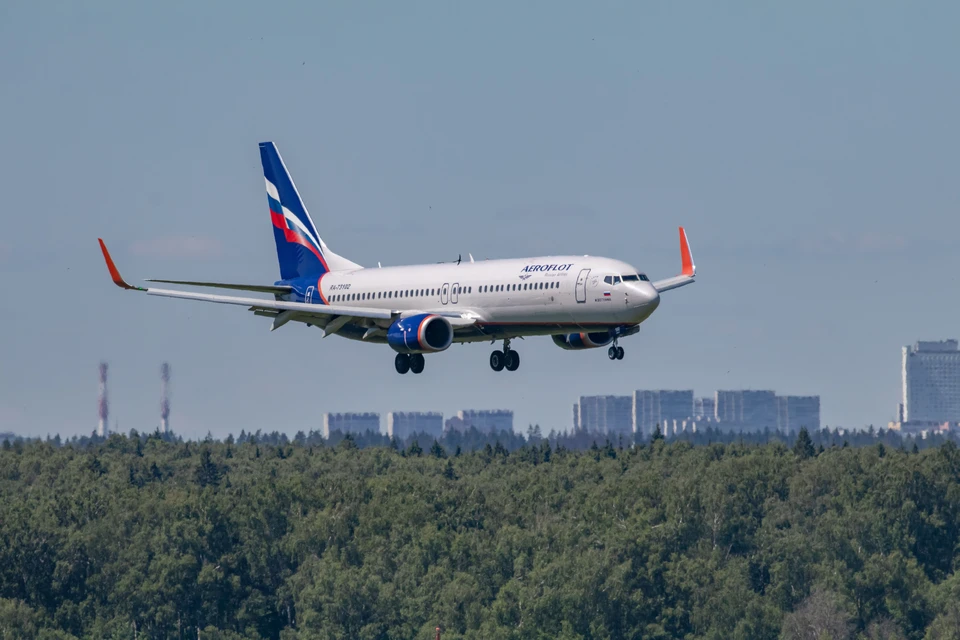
pixel 529 296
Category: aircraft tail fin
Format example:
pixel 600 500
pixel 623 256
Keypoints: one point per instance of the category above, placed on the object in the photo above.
pixel 300 250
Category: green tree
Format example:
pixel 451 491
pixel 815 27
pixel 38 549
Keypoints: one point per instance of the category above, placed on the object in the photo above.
pixel 803 447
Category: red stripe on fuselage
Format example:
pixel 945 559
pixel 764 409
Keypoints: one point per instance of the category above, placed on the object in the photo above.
pixel 320 289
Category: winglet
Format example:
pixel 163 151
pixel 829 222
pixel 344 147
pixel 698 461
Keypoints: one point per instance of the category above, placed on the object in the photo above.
pixel 689 269
pixel 112 268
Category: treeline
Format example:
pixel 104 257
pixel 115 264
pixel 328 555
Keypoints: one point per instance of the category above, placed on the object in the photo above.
pixel 150 538
pixel 472 439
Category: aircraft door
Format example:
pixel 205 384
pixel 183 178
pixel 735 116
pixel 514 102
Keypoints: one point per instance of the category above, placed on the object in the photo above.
pixel 454 292
pixel 582 286
pixel 445 293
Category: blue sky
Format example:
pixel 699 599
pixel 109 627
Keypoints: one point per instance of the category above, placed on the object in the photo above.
pixel 811 150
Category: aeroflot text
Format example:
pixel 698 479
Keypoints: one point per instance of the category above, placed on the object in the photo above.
pixel 546 267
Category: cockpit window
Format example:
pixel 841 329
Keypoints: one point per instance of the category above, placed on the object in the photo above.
pixel 608 279
pixel 616 279
pixel 633 278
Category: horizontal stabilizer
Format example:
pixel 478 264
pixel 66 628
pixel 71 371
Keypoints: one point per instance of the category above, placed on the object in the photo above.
pixel 261 288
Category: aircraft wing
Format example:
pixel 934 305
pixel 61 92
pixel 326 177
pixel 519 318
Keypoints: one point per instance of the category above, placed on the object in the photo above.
pixel 687 272
pixel 260 288
pixel 320 314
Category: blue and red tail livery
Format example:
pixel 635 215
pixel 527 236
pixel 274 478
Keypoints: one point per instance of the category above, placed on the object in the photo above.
pixel 299 247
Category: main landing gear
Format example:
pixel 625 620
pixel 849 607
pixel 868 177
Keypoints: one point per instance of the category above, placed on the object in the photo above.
pixel 508 358
pixel 409 362
pixel 615 352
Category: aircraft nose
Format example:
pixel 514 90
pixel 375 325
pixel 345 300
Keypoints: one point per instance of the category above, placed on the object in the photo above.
pixel 649 295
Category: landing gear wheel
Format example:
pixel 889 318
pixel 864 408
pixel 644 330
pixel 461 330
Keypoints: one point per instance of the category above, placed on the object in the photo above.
pixel 612 353
pixel 416 363
pixel 619 353
pixel 402 363
pixel 497 360
pixel 513 360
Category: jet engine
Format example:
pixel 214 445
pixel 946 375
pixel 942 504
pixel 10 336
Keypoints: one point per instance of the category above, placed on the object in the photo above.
pixel 422 333
pixel 575 341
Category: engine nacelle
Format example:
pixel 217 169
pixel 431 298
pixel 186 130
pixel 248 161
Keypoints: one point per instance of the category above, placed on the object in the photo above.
pixel 591 340
pixel 422 333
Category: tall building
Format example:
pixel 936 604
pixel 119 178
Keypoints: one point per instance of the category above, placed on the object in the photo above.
pixel 728 406
pixel 795 412
pixel 704 408
pixel 606 414
pixel 746 409
pixel 487 421
pixel 350 423
pixel 660 407
pixel 401 424
pixel 760 409
pixel 576 416
pixel 931 381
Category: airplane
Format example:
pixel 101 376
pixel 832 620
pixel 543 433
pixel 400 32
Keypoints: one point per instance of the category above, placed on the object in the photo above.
pixel 581 302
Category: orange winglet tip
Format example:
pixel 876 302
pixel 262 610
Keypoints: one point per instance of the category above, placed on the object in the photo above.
pixel 689 269
pixel 112 268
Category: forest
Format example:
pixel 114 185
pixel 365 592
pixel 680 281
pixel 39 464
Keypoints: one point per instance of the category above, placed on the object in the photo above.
pixel 815 535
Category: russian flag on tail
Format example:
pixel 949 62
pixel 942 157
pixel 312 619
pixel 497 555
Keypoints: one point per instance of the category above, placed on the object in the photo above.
pixel 300 250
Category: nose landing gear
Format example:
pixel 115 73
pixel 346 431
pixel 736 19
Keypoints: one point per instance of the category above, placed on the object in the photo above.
pixel 508 358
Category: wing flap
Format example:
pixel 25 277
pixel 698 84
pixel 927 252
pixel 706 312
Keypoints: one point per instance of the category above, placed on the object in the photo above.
pixel 259 288
pixel 302 308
